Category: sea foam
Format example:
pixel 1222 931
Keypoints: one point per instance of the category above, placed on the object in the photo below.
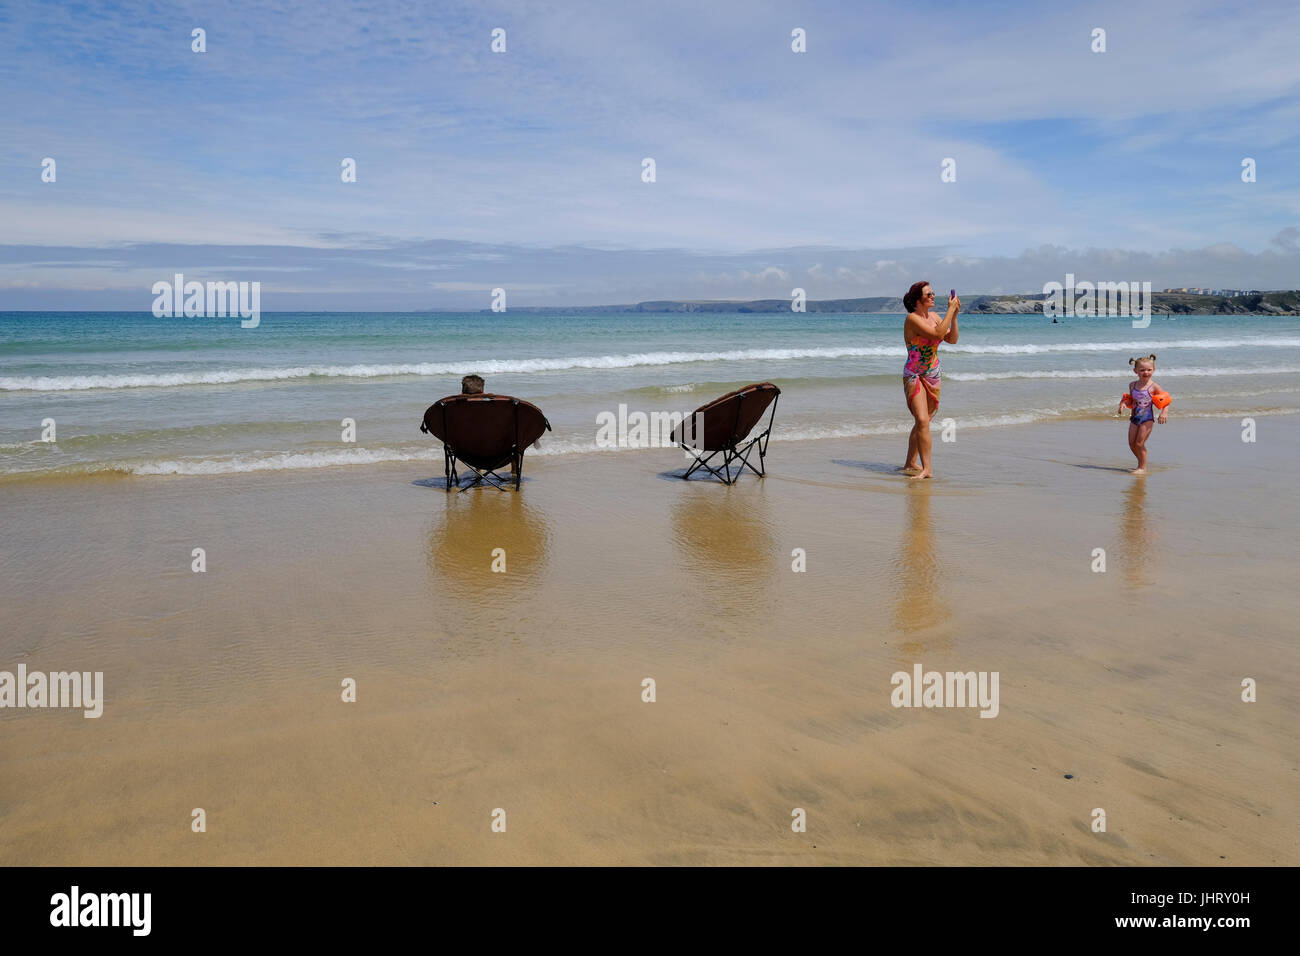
pixel 232 376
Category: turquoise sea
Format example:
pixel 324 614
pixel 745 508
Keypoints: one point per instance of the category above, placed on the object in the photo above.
pixel 132 394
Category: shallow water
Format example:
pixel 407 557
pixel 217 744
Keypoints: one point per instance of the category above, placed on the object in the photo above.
pixel 137 395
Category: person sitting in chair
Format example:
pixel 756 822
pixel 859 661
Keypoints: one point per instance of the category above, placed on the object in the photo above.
pixel 473 385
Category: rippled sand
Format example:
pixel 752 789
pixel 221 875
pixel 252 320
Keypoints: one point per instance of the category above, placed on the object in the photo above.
pixel 523 690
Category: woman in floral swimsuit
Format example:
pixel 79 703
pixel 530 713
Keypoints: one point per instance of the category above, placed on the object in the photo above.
pixel 923 330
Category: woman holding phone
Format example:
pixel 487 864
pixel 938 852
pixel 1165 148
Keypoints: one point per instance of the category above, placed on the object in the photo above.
pixel 923 330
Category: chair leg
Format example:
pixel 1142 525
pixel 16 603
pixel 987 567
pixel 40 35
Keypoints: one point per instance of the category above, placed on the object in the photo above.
pixel 489 478
pixel 449 469
pixel 694 466
pixel 703 462
pixel 734 457
pixel 479 477
pixel 748 450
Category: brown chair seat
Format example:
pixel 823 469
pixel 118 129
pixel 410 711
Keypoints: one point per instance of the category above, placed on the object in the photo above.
pixel 485 432
pixel 723 425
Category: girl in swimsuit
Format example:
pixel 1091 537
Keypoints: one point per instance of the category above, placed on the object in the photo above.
pixel 923 330
pixel 1143 392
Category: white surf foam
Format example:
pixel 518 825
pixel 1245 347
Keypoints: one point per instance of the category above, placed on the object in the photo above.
pixel 56 383
pixel 286 461
pixel 1172 372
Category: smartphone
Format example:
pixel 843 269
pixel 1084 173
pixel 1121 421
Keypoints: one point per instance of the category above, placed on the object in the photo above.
pixel 952 293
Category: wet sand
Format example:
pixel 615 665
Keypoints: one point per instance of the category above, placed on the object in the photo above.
pixel 522 690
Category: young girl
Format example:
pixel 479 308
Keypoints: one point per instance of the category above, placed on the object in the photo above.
pixel 1142 398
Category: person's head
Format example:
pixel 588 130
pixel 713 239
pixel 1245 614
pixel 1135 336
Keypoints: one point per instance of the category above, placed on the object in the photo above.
pixel 471 385
pixel 1144 366
pixel 920 296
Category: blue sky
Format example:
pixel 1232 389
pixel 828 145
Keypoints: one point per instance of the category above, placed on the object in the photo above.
pixel 522 169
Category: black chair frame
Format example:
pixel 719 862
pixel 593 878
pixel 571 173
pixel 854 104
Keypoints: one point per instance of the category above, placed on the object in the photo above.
pixel 483 476
pixel 480 476
pixel 735 450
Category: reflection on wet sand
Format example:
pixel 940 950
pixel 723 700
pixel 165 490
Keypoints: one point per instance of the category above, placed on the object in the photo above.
pixel 724 535
pixel 1137 538
pixel 921 606
pixel 464 539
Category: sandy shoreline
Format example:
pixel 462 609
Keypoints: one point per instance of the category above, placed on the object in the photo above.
pixel 522 690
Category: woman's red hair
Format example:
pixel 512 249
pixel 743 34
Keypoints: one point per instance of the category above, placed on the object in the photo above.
pixel 913 295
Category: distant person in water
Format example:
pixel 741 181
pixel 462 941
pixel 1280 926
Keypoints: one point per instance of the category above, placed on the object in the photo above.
pixel 923 330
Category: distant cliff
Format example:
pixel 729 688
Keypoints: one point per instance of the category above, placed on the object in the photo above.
pixel 877 304
pixel 1162 303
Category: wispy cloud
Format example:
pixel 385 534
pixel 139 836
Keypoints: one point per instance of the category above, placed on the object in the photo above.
pixel 442 274
pixel 1136 150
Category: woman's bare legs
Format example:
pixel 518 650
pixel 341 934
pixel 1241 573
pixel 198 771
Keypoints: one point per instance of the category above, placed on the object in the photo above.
pixel 910 464
pixel 919 440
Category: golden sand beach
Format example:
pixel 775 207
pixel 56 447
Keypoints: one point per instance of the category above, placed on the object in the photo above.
pixel 522 690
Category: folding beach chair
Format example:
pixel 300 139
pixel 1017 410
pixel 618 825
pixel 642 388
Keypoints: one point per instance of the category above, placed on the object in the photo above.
pixel 485 433
pixel 722 427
